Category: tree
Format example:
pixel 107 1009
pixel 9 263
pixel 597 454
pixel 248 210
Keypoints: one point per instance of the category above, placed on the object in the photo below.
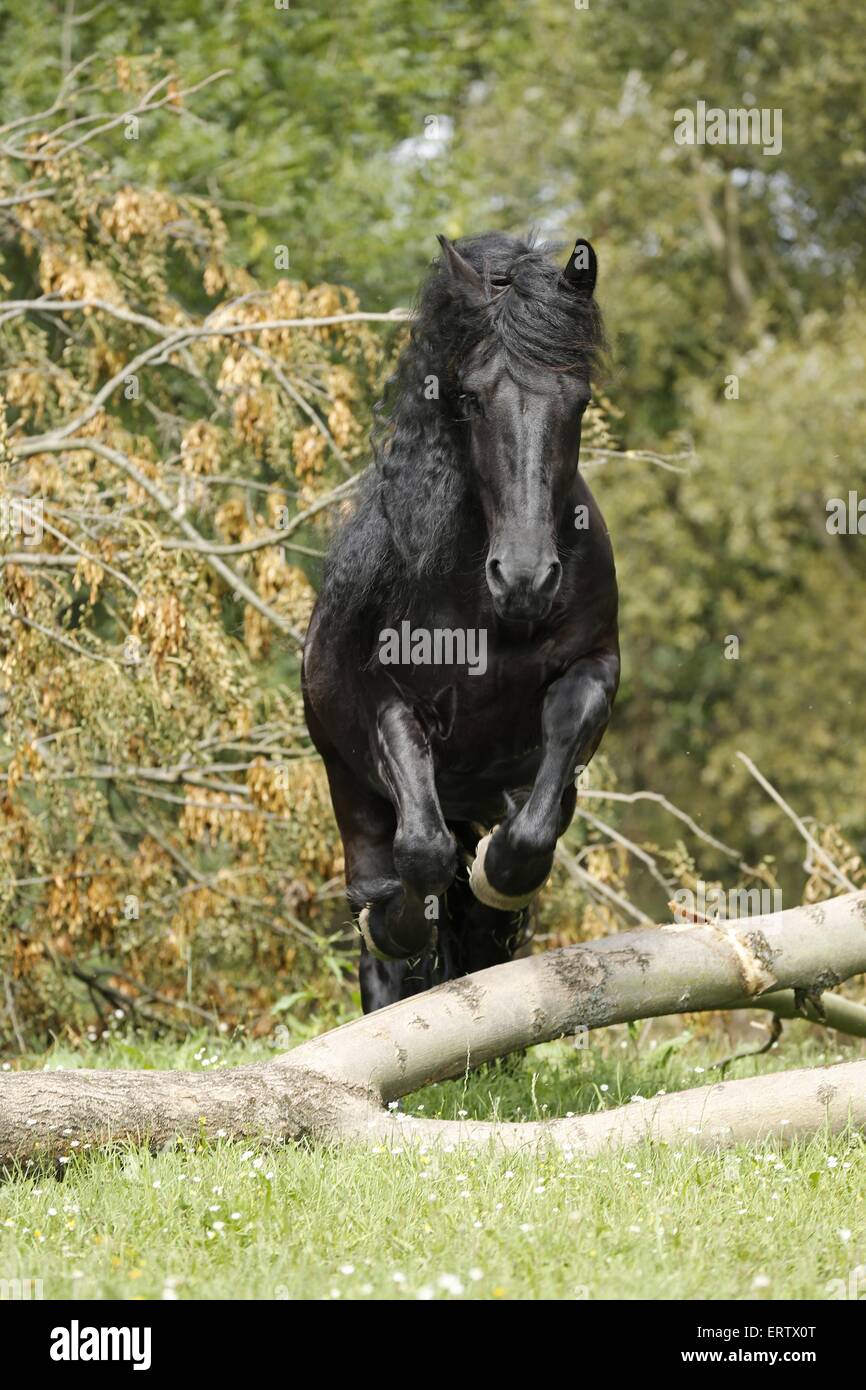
pixel 174 437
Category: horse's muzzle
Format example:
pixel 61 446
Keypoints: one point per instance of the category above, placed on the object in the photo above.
pixel 523 592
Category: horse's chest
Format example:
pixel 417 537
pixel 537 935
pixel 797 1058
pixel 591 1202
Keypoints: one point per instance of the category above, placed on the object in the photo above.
pixel 493 746
pixel 497 712
pixel 487 712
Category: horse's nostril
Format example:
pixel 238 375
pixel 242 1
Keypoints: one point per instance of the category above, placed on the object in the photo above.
pixel 551 578
pixel 494 569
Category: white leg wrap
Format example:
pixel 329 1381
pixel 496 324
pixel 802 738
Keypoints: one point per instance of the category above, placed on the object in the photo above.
pixel 364 929
pixel 484 890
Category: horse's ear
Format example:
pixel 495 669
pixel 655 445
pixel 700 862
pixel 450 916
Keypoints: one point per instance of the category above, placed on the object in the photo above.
pixel 459 268
pixel 582 268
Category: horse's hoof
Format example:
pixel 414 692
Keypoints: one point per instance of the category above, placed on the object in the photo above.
pixel 367 936
pixel 484 889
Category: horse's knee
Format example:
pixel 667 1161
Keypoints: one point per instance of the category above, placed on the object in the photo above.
pixel 427 863
pixel 530 843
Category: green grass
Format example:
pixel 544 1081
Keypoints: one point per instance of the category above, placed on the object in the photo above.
pixel 226 1221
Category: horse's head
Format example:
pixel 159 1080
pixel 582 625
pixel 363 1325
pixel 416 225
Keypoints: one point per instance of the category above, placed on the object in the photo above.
pixel 521 386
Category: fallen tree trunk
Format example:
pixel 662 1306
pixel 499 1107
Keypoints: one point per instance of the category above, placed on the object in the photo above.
pixel 783 1105
pixel 336 1086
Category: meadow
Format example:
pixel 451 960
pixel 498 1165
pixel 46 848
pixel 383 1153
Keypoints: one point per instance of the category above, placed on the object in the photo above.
pixel 244 1221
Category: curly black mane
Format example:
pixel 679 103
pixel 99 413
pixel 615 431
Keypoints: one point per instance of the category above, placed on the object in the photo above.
pixel 414 506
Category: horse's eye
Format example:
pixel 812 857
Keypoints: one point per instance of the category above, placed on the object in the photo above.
pixel 470 405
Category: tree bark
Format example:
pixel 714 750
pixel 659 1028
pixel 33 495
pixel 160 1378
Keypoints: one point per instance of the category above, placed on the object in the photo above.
pixel 336 1087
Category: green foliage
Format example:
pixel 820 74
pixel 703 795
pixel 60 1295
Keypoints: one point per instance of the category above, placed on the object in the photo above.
pixel 739 547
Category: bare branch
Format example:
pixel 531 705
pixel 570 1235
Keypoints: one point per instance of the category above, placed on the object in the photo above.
pixel 674 811
pixel 234 581
pixel 835 872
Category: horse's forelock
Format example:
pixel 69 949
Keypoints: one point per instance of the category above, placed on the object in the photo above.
pixel 531 311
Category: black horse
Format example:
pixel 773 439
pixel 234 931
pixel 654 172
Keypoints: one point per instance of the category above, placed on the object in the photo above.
pixel 463 657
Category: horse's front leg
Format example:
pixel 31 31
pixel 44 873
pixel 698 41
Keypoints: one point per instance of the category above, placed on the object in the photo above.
pixel 514 861
pixel 424 849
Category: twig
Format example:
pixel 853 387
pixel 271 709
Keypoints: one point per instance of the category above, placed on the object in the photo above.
pixel 595 886
pixel 145 106
pixel 774 1033
pixel 301 403
pixel 272 538
pixel 162 351
pixel 61 640
pixel 234 581
pixel 835 872
pixel 13 1015
pixel 674 811
pixel 627 844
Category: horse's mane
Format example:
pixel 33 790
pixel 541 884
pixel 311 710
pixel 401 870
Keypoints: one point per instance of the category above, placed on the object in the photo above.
pixel 413 503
